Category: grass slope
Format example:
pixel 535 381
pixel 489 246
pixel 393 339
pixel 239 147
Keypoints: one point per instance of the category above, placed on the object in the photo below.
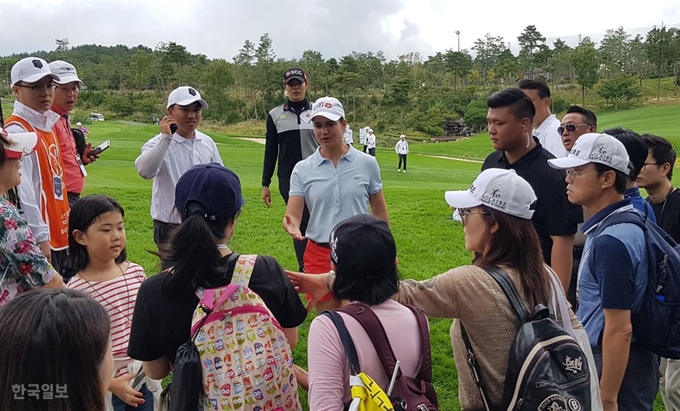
pixel 429 242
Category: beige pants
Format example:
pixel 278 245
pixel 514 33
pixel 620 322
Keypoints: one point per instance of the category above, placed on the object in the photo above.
pixel 669 384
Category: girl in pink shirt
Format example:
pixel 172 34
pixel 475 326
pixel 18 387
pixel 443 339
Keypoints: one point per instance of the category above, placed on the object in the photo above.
pixel 363 254
pixel 97 250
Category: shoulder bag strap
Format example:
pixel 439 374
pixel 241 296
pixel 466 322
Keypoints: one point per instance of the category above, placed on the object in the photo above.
pixel 347 343
pixel 508 287
pixel 425 368
pixel 243 268
pixel 376 332
pixel 475 369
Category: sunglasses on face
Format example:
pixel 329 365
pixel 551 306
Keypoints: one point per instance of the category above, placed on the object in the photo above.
pixel 570 127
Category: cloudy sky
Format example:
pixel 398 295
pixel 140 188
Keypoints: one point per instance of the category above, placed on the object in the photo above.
pixel 218 28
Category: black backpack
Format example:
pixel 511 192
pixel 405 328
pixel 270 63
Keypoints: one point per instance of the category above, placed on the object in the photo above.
pixel 546 368
pixel 409 394
pixel 656 322
pixel 79 138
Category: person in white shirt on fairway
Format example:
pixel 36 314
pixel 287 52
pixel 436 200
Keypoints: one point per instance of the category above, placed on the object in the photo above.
pixel 370 142
pixel 402 151
pixel 348 136
pixel 167 156
pixel 363 132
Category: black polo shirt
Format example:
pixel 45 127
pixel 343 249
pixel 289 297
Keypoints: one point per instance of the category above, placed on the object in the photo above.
pixel 554 215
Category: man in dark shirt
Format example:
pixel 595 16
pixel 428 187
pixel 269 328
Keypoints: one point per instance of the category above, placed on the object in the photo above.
pixel 290 138
pixel 509 121
pixel 655 177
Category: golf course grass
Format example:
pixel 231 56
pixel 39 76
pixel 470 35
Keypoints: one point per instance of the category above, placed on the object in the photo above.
pixel 428 241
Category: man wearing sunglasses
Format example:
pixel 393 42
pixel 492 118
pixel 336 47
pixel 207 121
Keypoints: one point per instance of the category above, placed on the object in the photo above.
pixel 42 192
pixel 577 122
pixel 545 123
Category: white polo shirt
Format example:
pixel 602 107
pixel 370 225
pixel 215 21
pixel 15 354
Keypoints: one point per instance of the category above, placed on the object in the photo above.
pixel 165 159
pixel 333 194
pixel 549 138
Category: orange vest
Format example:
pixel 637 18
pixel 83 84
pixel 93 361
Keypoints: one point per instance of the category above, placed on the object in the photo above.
pixel 54 206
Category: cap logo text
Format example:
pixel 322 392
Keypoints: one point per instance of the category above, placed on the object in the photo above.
pixel 37 64
pixel 600 155
pixel 575 152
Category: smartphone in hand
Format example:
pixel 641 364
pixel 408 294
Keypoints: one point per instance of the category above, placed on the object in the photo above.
pixel 173 128
pixel 103 146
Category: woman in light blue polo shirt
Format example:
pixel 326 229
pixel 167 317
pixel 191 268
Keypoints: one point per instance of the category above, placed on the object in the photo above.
pixel 336 182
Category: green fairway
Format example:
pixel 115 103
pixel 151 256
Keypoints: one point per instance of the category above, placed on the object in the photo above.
pixel 428 241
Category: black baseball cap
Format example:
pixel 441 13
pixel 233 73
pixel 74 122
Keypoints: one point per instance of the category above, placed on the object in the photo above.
pixel 212 185
pixel 364 240
pixel 294 74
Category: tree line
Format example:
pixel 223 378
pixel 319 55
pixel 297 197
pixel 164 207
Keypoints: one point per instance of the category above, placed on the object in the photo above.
pixel 407 92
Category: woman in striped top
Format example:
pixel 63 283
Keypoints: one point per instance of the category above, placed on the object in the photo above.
pixel 97 252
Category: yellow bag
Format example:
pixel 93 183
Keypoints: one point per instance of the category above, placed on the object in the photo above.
pixel 367 395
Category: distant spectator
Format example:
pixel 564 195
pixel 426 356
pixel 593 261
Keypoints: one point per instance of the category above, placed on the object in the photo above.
pixel 42 192
pixel 545 123
pixel 84 129
pixel 171 153
pixel 402 151
pixel 349 136
pixel 363 132
pixel 370 142
pixel 59 341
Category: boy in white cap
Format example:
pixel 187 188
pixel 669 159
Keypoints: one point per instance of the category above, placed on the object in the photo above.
pixel 65 99
pixel 171 153
pixel 42 192
pixel 613 271
pixel 402 151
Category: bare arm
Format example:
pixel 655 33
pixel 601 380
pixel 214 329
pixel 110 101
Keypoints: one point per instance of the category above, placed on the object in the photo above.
pixel 562 258
pixel 293 216
pixel 378 206
pixel 292 336
pixel 618 333
pixel 157 369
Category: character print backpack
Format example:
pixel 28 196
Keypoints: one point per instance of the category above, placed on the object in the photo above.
pixel 247 362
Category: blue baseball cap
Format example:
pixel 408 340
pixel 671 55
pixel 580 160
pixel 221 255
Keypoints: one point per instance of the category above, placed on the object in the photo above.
pixel 215 187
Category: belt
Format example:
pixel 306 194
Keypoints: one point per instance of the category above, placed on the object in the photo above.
pixel 322 245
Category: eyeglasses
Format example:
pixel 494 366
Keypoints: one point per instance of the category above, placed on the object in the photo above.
pixel 465 213
pixel 650 164
pixel 570 127
pixel 39 87
pixel 572 173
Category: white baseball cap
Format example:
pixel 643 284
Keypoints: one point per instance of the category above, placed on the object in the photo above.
pixel 66 72
pixel 185 96
pixel 496 188
pixel 21 144
pixel 329 107
pixel 30 70
pixel 595 148
pixel 402 136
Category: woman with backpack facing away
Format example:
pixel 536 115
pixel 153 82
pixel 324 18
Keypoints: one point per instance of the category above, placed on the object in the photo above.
pixel 496 214
pixel 363 253
pixel 209 200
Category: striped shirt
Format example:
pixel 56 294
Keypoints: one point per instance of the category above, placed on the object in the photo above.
pixel 118 296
